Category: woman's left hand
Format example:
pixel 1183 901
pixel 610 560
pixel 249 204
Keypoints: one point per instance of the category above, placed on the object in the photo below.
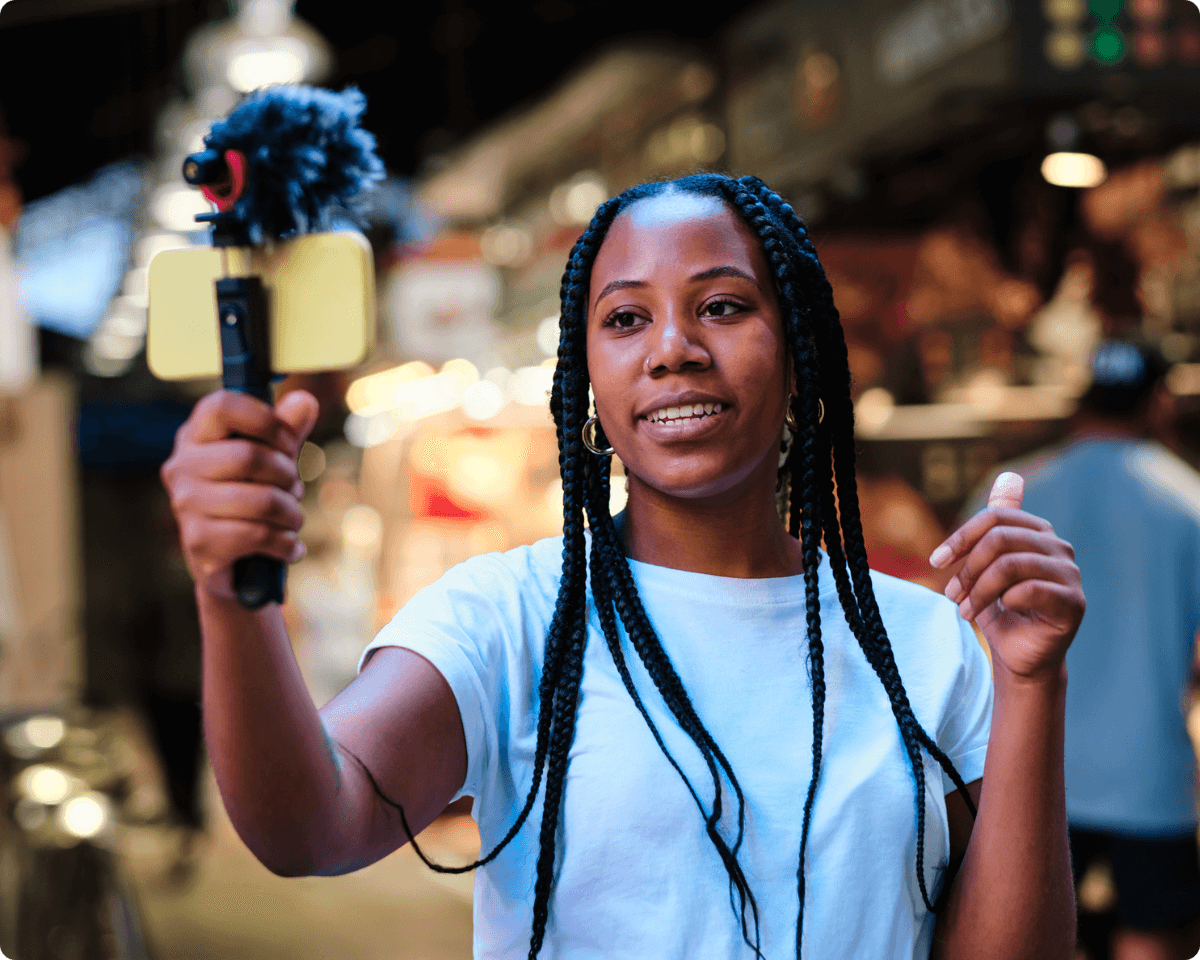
pixel 1018 582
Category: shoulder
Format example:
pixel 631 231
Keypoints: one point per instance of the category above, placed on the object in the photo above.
pixel 482 607
pixel 943 663
pixel 526 574
pixel 1165 477
pixel 907 605
pixel 924 627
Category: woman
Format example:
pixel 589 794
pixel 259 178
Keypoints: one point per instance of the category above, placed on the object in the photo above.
pixel 728 740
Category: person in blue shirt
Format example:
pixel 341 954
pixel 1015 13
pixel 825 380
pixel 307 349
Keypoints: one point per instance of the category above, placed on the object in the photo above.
pixel 1131 509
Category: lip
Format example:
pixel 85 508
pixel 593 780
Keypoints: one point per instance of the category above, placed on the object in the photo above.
pixel 679 399
pixel 691 429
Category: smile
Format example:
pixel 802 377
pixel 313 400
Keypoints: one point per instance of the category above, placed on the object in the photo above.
pixel 687 411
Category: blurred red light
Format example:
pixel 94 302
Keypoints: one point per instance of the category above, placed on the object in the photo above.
pixel 1187 46
pixel 1150 48
pixel 1150 11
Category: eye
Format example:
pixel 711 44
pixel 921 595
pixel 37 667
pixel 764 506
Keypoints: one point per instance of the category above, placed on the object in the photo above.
pixel 623 320
pixel 721 308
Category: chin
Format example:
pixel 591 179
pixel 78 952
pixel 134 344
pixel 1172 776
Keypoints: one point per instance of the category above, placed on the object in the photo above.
pixel 697 482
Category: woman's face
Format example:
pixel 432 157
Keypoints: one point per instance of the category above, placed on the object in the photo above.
pixel 685 346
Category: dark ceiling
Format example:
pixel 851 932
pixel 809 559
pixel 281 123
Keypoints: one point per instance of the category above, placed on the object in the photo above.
pixel 82 81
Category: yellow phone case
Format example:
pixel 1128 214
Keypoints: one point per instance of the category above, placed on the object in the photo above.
pixel 322 292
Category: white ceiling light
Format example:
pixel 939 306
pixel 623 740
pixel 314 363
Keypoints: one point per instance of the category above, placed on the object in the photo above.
pixel 1074 170
pixel 261 62
pixel 86 815
pixel 574 202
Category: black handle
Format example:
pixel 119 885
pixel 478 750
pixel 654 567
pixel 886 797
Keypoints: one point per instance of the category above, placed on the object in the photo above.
pixel 242 312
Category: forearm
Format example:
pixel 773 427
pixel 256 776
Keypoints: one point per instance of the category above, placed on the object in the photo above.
pixel 1014 896
pixel 274 765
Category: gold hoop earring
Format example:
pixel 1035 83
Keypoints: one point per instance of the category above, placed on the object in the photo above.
pixel 589 442
pixel 789 418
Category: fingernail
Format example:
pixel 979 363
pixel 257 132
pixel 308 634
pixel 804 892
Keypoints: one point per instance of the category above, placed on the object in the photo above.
pixel 298 552
pixel 954 589
pixel 965 611
pixel 941 556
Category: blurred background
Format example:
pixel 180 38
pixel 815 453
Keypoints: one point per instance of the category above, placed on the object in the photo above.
pixel 993 186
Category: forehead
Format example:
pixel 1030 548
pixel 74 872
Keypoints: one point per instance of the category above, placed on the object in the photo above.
pixel 676 233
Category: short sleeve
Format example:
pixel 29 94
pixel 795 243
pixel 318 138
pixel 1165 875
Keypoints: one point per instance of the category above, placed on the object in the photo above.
pixel 461 625
pixel 967 722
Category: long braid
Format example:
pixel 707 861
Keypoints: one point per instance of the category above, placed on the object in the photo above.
pixel 610 569
pixel 803 520
pixel 563 658
pixel 869 628
pixel 832 338
pixel 871 635
pixel 569 405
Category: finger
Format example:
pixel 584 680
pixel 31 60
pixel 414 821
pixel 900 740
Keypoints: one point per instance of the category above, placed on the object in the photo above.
pixel 1007 491
pixel 299 409
pixel 962 540
pixel 244 460
pixel 999 540
pixel 214 543
pixel 1009 570
pixel 254 502
pixel 227 414
pixel 1056 603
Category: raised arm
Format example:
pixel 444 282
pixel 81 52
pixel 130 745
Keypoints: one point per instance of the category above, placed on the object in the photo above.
pixel 1013 896
pixel 288 775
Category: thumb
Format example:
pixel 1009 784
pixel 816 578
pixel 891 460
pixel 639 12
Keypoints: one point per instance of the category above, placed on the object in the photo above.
pixel 1007 491
pixel 299 410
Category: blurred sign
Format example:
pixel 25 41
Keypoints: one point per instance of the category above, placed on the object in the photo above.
pixel 1075 44
pixel 441 309
pixel 811 83
pixel 931 31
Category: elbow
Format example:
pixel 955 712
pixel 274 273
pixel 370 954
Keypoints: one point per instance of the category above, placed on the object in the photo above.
pixel 284 857
pixel 289 863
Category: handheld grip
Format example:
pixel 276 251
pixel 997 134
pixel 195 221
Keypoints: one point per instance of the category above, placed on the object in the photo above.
pixel 242 312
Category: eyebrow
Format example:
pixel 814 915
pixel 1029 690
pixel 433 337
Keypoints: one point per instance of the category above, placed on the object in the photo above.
pixel 710 274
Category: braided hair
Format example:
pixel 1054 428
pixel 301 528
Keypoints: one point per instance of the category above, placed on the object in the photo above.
pixel 818 487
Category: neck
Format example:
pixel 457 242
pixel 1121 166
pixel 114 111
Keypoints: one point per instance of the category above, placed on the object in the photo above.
pixel 737 533
pixel 1088 425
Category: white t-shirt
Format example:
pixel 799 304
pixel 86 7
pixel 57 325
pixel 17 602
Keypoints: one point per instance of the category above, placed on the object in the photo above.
pixel 637 875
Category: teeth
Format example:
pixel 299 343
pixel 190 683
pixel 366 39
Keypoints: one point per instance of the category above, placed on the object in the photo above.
pixel 687 411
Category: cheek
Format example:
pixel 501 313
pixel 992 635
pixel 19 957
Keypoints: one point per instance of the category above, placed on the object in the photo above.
pixel 610 381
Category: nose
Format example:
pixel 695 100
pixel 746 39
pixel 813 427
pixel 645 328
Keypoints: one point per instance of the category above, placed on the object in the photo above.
pixel 675 345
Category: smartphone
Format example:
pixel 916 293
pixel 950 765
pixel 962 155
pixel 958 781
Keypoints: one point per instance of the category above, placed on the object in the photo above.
pixel 321 291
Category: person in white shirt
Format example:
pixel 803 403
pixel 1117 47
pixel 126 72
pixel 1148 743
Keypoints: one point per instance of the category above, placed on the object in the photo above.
pixel 688 730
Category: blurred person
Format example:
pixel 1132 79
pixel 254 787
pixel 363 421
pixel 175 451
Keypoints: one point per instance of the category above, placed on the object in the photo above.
pixel 1131 509
pixel 140 618
pixel 742 744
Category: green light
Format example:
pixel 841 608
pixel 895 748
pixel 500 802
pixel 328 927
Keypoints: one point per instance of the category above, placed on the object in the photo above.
pixel 1108 46
pixel 1105 11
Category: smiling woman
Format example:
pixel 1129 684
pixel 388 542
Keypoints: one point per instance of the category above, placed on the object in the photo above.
pixel 734 742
